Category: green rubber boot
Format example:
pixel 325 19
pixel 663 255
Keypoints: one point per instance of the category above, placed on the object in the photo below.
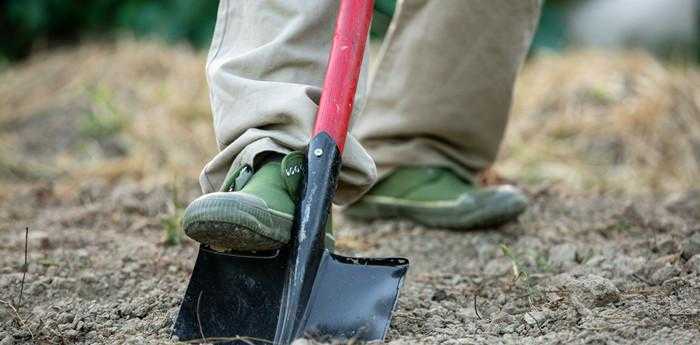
pixel 254 212
pixel 437 197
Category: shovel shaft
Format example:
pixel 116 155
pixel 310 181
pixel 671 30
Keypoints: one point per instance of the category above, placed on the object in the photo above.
pixel 343 71
pixel 323 163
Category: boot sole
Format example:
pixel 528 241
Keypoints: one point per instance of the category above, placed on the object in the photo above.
pixel 236 221
pixel 444 214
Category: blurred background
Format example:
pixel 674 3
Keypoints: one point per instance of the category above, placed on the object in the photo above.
pixel 103 92
pixel 26 26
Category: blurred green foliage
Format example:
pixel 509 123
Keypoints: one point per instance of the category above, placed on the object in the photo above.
pixel 26 25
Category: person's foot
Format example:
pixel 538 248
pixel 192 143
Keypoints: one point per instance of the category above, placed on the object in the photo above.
pixel 255 211
pixel 437 197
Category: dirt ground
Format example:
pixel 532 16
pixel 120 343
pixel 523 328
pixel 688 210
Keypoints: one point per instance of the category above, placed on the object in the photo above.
pixel 607 253
pixel 585 269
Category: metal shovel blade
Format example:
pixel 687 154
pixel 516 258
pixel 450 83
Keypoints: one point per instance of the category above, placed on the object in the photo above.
pixel 232 296
pixel 353 298
pixel 235 298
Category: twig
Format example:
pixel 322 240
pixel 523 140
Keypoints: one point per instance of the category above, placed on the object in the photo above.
pixel 199 321
pixel 20 321
pixel 25 266
pixel 476 311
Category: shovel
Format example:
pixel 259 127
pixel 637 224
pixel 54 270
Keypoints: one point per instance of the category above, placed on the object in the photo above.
pixel 303 289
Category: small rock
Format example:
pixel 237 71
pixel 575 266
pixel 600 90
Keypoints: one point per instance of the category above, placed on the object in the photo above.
pixel 592 290
pixel 668 246
pixel 302 342
pixel 71 333
pixel 439 295
pixel 510 328
pixel 664 273
pixel 562 254
pixel 691 246
pixel 66 318
pixel 534 317
pixel 693 264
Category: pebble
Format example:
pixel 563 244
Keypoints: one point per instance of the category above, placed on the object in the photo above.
pixel 510 328
pixel 693 264
pixel 664 273
pixel 668 246
pixel 71 333
pixel 562 254
pixel 439 295
pixel 592 290
pixel 692 245
pixel 534 317
pixel 66 318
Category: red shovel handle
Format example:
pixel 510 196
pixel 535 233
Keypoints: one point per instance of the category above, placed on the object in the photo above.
pixel 347 51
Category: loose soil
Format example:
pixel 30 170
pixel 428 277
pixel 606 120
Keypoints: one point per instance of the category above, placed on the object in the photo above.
pixel 585 269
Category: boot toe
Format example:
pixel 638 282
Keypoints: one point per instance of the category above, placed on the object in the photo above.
pixel 236 221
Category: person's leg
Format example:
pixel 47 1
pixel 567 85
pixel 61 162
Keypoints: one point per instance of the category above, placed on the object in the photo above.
pixel 441 97
pixel 442 90
pixel 265 69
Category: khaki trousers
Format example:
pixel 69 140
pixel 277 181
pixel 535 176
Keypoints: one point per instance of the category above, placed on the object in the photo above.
pixel 440 95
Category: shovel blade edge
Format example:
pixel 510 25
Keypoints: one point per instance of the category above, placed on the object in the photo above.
pixel 232 296
pixel 353 298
